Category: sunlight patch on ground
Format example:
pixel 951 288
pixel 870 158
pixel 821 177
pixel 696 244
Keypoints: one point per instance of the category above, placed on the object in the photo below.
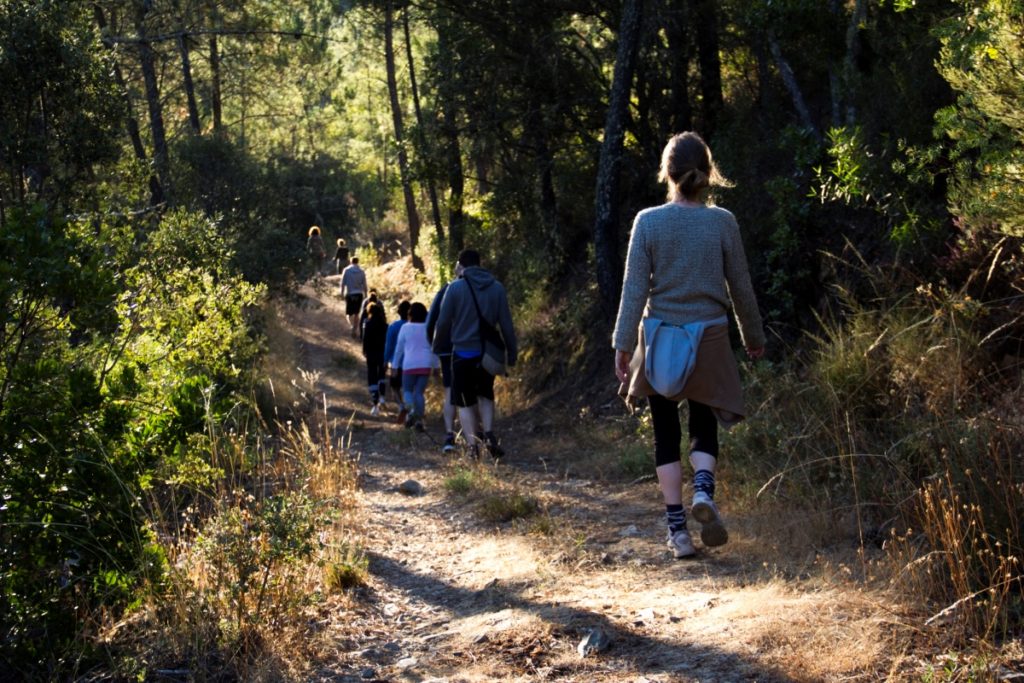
pixel 822 634
pixel 502 558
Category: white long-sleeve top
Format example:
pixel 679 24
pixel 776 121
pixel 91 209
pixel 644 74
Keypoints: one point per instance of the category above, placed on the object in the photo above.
pixel 412 350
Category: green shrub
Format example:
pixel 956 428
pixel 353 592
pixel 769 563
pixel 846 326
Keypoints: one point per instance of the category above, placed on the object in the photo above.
pixel 464 481
pixel 505 506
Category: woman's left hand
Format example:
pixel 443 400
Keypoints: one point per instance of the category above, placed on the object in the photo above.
pixel 622 366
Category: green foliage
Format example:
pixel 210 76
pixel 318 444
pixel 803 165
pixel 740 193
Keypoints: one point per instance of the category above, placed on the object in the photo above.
pixel 251 549
pixel 345 567
pixel 60 114
pixel 634 462
pixel 71 532
pixel 507 506
pixel 982 59
pixel 110 373
pixel 464 481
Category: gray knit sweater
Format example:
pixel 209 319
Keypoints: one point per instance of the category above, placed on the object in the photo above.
pixel 685 264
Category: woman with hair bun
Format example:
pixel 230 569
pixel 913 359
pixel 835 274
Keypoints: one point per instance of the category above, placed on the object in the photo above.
pixel 684 269
pixel 316 251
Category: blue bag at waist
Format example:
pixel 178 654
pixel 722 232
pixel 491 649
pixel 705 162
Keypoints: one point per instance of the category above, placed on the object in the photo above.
pixel 670 352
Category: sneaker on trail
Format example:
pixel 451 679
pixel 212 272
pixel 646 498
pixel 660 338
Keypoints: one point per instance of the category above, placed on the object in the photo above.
pixel 680 544
pixel 402 414
pixel 491 441
pixel 375 410
pixel 449 443
pixel 411 420
pixel 704 510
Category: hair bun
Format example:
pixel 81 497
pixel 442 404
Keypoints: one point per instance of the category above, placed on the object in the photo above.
pixel 692 181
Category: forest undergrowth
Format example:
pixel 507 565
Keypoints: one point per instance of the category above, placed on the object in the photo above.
pixel 889 443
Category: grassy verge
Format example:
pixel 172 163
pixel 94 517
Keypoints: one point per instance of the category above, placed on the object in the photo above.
pixel 256 542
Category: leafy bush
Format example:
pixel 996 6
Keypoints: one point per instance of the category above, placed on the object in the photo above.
pixel 71 525
pixel 114 363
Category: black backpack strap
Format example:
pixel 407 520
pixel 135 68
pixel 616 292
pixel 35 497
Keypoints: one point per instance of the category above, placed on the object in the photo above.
pixel 479 315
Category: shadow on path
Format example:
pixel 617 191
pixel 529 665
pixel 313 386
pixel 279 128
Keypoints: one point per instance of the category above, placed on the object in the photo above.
pixel 643 654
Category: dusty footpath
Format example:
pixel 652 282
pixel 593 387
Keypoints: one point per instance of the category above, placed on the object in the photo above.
pixel 453 598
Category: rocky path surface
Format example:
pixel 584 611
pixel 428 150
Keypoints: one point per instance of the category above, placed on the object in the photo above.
pixel 454 598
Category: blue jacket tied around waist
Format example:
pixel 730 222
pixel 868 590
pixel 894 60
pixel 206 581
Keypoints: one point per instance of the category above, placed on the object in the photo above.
pixel 670 352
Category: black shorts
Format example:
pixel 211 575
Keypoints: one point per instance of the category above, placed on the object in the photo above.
pixel 353 303
pixel 446 371
pixel 470 382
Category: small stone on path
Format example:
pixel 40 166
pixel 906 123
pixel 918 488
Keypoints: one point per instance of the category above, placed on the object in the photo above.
pixel 411 487
pixel 595 641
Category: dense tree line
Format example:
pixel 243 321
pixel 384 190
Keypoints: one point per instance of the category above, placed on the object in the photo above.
pixel 161 159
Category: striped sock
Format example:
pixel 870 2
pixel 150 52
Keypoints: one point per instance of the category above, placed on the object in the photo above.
pixel 676 518
pixel 704 480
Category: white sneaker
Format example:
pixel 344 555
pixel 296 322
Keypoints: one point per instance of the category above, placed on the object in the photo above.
pixel 375 410
pixel 704 510
pixel 680 544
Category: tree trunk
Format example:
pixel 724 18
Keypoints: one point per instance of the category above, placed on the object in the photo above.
pixel 606 206
pixel 450 133
pixel 795 93
pixel 853 49
pixel 421 138
pixel 396 115
pixel 147 61
pixel 186 72
pixel 536 131
pixel 706 18
pixel 679 102
pixel 131 123
pixel 215 104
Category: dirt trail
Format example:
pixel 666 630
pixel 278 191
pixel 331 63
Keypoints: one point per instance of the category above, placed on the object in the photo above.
pixel 452 598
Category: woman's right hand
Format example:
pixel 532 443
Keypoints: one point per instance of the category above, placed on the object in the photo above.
pixel 622 366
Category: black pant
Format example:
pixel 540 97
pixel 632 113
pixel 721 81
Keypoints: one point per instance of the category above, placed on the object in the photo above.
pixel 702 425
pixel 376 373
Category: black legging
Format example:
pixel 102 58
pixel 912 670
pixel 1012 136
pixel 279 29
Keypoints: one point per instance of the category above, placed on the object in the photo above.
pixel 702 425
pixel 376 369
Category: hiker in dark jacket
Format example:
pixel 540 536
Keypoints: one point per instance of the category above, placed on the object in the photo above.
pixel 341 255
pixel 445 359
pixel 374 338
pixel 458 329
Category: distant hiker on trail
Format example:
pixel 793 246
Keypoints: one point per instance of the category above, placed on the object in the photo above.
pixel 341 256
pixel 445 359
pixel 472 303
pixel 374 336
pixel 371 298
pixel 416 361
pixel 353 287
pixel 684 267
pixel 315 249
pixel 395 378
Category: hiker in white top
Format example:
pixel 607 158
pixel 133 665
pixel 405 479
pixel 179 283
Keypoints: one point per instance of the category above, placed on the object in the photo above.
pixel 353 287
pixel 417 362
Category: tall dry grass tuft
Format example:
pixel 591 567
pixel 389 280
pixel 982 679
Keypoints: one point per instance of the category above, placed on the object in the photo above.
pixel 268 535
pixel 900 430
pixel 970 569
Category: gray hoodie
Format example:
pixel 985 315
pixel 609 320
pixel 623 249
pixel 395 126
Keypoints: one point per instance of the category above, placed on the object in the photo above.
pixel 458 326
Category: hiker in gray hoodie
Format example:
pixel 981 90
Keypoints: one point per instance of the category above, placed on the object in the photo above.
pixel 458 329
